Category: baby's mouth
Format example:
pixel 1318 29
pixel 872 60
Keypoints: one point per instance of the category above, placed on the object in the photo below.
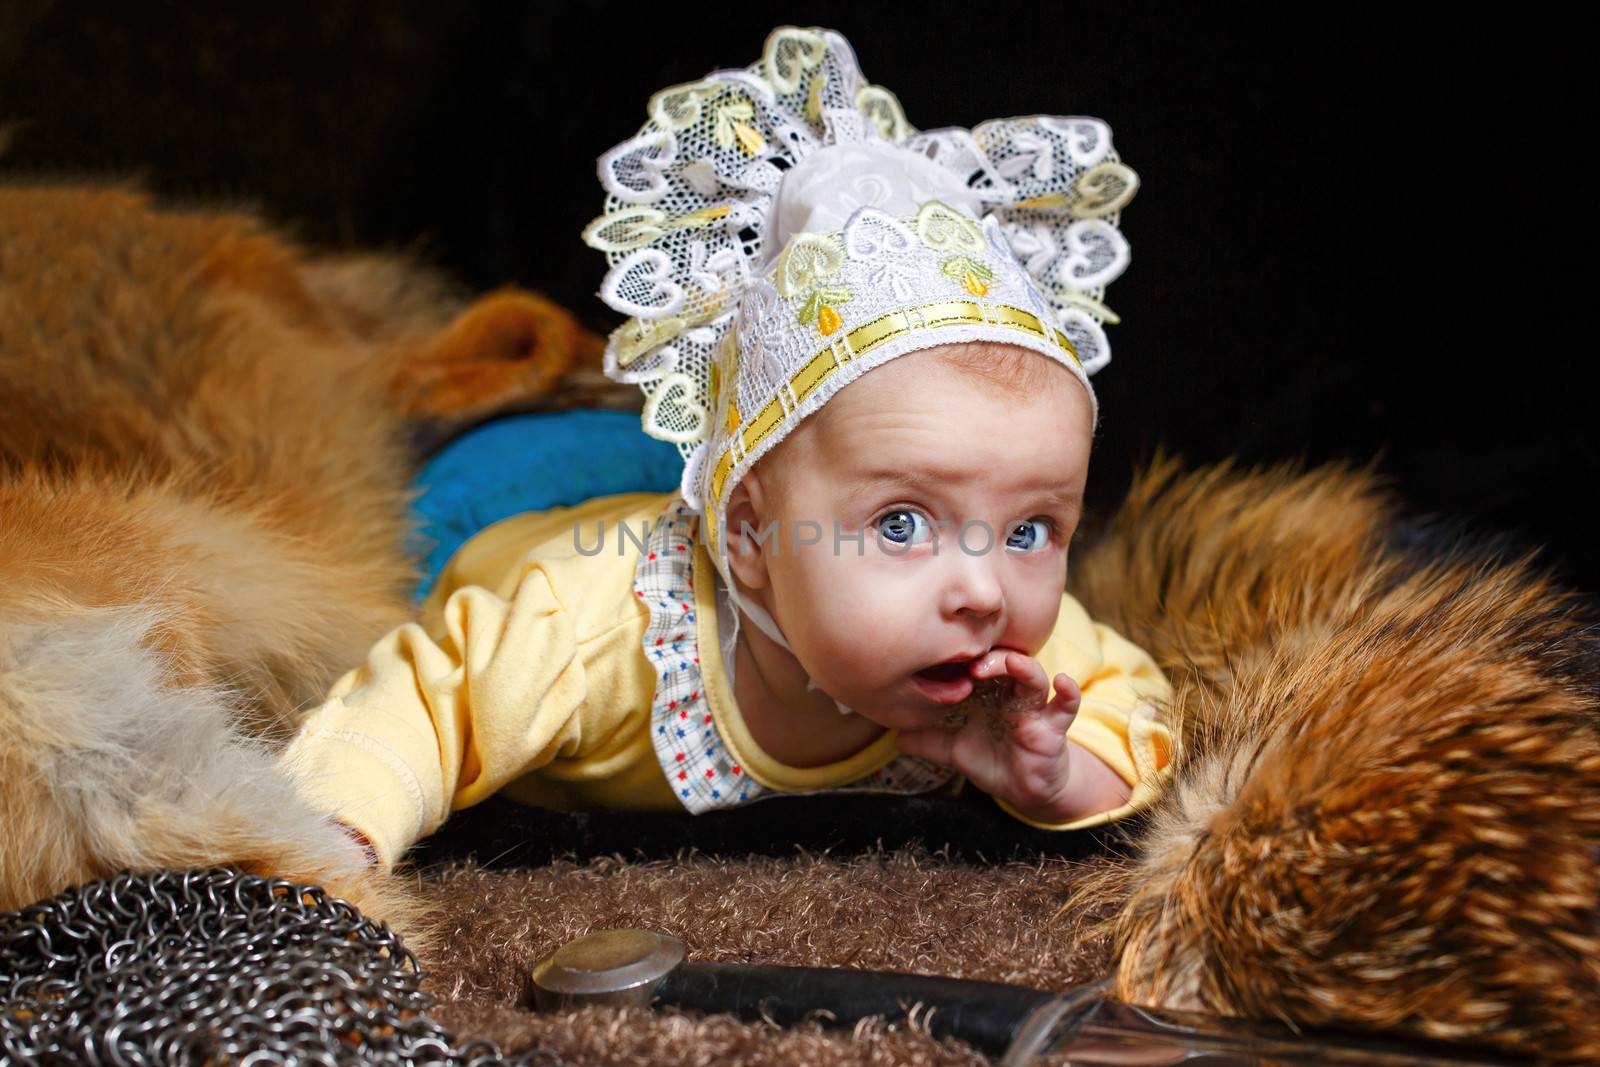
pixel 945 683
pixel 946 672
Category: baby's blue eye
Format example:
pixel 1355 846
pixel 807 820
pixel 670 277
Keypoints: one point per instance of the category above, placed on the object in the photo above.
pixel 1029 536
pixel 904 527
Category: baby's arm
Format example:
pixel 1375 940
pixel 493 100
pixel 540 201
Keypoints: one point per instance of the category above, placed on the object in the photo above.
pixel 426 726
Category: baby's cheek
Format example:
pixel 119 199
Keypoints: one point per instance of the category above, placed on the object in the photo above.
pixel 1034 619
pixel 860 626
pixel 852 653
pixel 858 654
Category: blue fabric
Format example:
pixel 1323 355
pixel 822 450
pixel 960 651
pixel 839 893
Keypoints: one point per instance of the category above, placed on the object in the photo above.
pixel 531 463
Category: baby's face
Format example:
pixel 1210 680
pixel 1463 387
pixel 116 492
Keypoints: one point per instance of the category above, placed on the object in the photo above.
pixel 965 497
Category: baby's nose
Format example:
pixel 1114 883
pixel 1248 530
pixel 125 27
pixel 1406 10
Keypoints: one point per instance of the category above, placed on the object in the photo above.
pixel 972 586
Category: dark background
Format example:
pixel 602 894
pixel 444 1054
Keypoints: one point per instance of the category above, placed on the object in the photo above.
pixel 1352 239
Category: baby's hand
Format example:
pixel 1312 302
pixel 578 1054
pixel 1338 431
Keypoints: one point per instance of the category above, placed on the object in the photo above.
pixel 1020 752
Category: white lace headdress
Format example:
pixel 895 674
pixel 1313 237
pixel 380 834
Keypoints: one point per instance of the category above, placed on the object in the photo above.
pixel 778 231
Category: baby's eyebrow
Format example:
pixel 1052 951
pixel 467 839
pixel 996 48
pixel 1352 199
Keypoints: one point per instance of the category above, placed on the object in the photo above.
pixel 1065 498
pixel 909 479
pixel 936 481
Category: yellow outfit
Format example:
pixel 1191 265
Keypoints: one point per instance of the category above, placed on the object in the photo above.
pixel 528 671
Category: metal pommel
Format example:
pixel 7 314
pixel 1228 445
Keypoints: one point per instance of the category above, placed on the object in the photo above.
pixel 617 967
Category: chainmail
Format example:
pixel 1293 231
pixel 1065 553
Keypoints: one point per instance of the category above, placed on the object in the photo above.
pixel 215 967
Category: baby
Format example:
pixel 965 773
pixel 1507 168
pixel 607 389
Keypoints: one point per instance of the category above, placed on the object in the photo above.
pixel 964 467
pixel 886 425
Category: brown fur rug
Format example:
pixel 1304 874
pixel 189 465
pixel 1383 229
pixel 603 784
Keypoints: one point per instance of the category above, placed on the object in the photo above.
pixel 905 910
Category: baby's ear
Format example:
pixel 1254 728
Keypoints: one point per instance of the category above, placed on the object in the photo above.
pixel 749 541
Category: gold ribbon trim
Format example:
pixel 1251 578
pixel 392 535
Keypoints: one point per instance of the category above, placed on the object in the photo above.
pixel 858 342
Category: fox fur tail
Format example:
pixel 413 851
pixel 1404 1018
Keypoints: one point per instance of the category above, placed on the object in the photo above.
pixel 105 765
pixel 1386 809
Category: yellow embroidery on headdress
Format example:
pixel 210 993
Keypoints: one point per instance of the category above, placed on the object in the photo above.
pixel 733 125
pixel 749 140
pixel 813 110
pixel 1045 201
pixel 678 107
pixel 635 337
pixel 673 411
pixel 704 217
pixel 625 230
pixel 973 274
pixel 1102 190
pixel 883 108
pixel 819 308
pixel 944 229
pixel 789 53
pixel 1097 192
pixel 808 261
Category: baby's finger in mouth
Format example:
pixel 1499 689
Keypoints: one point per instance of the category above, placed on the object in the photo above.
pixel 1026 670
pixel 989 664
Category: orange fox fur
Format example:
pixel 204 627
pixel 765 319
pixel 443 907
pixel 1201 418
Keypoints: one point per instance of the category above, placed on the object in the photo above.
pixel 1387 808
pixel 203 478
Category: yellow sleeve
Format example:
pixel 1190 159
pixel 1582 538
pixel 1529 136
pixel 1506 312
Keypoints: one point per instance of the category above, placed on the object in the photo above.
pixel 426 726
pixel 1120 719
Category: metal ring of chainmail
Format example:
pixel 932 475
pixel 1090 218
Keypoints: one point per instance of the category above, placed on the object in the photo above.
pixel 215 967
